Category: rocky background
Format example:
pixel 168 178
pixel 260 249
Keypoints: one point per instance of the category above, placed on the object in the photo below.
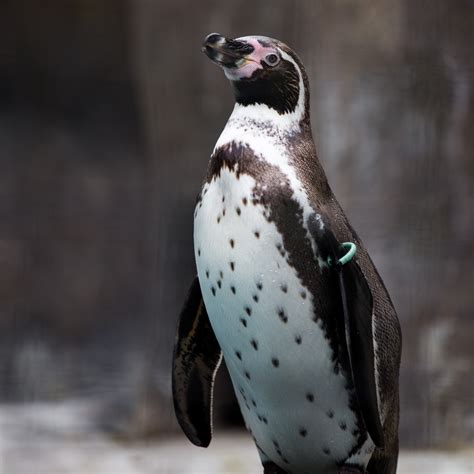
pixel 108 113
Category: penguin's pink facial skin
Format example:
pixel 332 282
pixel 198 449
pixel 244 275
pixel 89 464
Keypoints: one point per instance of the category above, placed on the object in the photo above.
pixel 240 58
pixel 256 60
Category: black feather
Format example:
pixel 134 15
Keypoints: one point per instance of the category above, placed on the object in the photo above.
pixel 196 359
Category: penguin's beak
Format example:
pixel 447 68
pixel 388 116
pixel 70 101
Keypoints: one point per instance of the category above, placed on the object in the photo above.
pixel 225 52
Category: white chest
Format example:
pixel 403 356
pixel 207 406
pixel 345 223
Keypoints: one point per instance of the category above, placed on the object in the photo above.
pixel 292 400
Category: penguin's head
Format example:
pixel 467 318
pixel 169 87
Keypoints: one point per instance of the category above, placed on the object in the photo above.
pixel 263 71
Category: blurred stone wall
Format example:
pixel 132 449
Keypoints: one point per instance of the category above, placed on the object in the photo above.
pixel 108 113
pixel 77 249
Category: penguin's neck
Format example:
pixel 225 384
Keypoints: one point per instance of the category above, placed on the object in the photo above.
pixel 260 122
pixel 265 116
pixel 268 121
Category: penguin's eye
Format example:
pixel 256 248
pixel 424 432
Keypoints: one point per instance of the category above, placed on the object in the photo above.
pixel 272 59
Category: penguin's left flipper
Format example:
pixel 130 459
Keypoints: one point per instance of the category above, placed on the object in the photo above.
pixel 196 359
pixel 356 319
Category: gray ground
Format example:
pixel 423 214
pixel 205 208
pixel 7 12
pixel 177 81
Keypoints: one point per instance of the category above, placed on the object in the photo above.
pixel 61 439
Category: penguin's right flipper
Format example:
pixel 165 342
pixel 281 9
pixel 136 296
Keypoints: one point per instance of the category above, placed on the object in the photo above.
pixel 196 359
pixel 356 321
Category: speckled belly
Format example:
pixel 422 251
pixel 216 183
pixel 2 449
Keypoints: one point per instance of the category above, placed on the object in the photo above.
pixel 293 402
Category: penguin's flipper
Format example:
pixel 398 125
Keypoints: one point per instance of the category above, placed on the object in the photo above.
pixel 196 359
pixel 356 299
pixel 357 314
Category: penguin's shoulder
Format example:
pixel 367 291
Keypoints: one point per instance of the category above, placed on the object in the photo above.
pixel 239 158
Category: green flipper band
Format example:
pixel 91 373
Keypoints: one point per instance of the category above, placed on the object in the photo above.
pixel 351 250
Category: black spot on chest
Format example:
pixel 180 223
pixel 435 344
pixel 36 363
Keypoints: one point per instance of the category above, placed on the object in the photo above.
pixel 275 194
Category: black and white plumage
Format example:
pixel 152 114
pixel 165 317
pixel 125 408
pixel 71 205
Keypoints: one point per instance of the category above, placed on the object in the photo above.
pixel 313 350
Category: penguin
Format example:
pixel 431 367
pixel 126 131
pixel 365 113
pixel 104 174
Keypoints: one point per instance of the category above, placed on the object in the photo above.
pixel 306 327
